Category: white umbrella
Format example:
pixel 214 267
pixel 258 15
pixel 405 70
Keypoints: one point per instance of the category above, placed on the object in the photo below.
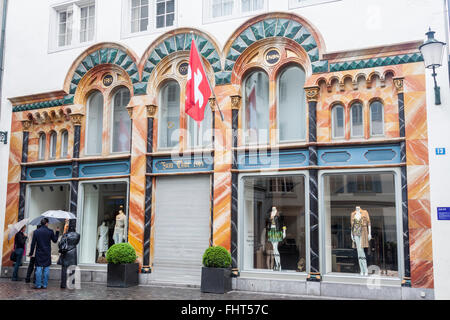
pixel 14 228
pixel 58 214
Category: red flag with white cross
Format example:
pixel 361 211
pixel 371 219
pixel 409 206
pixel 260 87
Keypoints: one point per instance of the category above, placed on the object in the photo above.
pixel 198 90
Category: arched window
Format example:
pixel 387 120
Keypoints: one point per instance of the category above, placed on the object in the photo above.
pixel 94 124
pixel 42 143
pixel 338 122
pixel 376 119
pixel 357 120
pixel 200 135
pixel 256 110
pixel 169 117
pixel 64 143
pixel 121 126
pixel 291 105
pixel 53 138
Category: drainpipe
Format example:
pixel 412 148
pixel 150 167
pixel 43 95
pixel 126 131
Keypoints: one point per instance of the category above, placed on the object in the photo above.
pixel 2 48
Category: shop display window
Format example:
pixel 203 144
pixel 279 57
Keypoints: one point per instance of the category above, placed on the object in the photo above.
pixel 103 220
pixel 361 231
pixel 274 223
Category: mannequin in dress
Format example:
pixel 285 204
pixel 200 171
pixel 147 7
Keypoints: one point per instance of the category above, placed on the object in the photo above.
pixel 275 235
pixel 361 235
pixel 102 236
pixel 267 247
pixel 119 228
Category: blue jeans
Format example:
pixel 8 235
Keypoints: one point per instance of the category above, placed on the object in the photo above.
pixel 39 276
pixel 19 254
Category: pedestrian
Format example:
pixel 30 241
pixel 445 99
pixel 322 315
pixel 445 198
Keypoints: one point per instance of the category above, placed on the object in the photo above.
pixel 31 264
pixel 42 238
pixel 19 246
pixel 68 249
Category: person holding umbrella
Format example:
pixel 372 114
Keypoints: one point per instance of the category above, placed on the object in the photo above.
pixel 19 246
pixel 42 238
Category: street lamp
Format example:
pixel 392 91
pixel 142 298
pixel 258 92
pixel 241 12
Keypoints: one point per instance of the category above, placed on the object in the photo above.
pixel 431 51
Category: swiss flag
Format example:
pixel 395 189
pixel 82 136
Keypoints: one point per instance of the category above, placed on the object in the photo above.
pixel 198 90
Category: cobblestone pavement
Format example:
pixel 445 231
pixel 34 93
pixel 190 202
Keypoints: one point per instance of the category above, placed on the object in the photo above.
pixel 20 290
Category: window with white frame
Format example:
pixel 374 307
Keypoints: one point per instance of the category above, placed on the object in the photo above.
pixel 42 145
pixel 64 143
pixel 217 10
pixel 72 24
pixel 139 15
pixel 376 119
pixel 304 3
pixel 338 121
pixel 53 137
pixel 165 13
pixel 357 120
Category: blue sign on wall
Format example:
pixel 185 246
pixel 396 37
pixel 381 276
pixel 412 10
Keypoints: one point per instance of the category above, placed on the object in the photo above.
pixel 440 151
pixel 443 213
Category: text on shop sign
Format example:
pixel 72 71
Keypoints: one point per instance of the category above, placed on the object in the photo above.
pixel 443 213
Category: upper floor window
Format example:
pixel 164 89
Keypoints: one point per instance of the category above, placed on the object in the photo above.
pixel 94 123
pixel 217 10
pixel 72 24
pixel 53 138
pixel 139 15
pixel 256 110
pixel 169 117
pixel 42 145
pixel 376 119
pixel 291 105
pixel 356 120
pixel 165 13
pixel 121 128
pixel 64 143
pixel 338 122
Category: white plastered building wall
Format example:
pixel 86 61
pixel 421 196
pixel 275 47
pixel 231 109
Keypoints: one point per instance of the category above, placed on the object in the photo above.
pixel 31 66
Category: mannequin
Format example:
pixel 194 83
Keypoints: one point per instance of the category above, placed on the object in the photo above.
pixel 361 235
pixel 275 236
pixel 267 246
pixel 102 236
pixel 119 228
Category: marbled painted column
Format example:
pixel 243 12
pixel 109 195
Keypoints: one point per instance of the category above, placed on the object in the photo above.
pixel 398 83
pixel 76 120
pixel 151 112
pixel 312 94
pixel 212 104
pixel 235 106
pixel 26 124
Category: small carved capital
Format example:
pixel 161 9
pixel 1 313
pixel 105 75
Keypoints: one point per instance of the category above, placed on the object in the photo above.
pixel 312 93
pixel 151 110
pixel 236 102
pixel 76 118
pixel 212 104
pixel 130 111
pixel 398 83
pixel 26 125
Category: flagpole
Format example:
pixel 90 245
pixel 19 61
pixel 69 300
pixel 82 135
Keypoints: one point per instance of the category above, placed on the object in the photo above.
pixel 210 87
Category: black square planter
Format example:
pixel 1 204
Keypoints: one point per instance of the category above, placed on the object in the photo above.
pixel 216 280
pixel 123 275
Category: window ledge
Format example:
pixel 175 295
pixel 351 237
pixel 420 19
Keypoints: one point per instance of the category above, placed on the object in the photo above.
pixel 371 280
pixel 274 275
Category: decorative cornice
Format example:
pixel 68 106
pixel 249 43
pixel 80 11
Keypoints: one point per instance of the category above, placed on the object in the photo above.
pixel 76 118
pixel 376 62
pixel 39 105
pixel 26 125
pixel 236 102
pixel 312 93
pixel 151 110
pixel 212 104
pixel 398 83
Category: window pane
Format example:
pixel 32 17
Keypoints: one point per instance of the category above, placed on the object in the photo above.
pixel 95 124
pixel 200 136
pixel 265 246
pixel 135 3
pixel 161 8
pixel 160 22
pixel 42 143
pixel 246 5
pixel 170 7
pixel 338 122
pixel 376 118
pixel 144 12
pixel 84 12
pixel 169 121
pixel 64 144
pixel 256 115
pixel 292 105
pixel 121 121
pixel 53 137
pixel 374 194
pixel 169 20
pixel 357 129
pixel 143 25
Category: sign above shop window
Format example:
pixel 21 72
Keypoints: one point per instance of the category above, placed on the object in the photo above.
pixel 272 56
pixel 183 164
pixel 108 80
pixel 443 213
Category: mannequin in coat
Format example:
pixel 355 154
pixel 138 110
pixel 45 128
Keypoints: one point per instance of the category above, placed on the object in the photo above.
pixel 361 235
pixel 275 235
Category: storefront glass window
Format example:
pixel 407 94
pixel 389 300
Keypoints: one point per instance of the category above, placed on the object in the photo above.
pixel 376 118
pixel 266 246
pixel 360 223
pixel 103 221
pixel 169 121
pixel 94 124
pixel 256 112
pixel 338 122
pixel 357 122
pixel 121 121
pixel 292 106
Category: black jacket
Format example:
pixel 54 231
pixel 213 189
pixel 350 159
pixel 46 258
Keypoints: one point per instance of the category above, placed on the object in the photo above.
pixel 41 240
pixel 69 258
pixel 19 240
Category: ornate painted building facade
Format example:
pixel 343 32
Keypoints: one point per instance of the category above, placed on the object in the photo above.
pixel 291 126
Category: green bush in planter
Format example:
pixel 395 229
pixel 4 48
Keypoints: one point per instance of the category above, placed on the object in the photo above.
pixel 121 253
pixel 217 257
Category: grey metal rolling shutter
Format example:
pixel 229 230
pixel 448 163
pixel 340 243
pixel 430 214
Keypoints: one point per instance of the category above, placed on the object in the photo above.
pixel 182 228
